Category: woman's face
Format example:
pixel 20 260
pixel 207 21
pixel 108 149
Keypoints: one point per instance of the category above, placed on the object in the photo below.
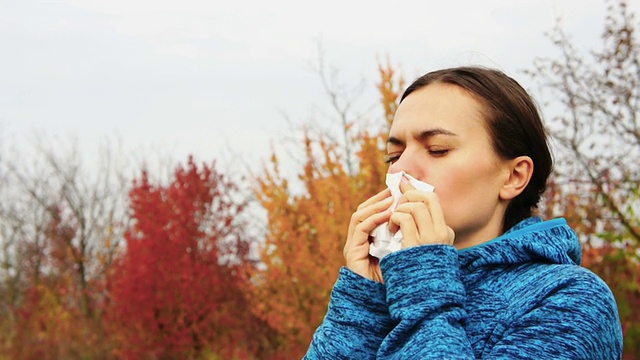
pixel 439 136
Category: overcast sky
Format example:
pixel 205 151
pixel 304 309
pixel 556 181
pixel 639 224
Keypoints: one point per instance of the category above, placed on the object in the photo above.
pixel 210 77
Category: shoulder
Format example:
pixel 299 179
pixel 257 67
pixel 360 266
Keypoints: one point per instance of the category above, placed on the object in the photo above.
pixel 571 278
pixel 562 282
pixel 567 296
pixel 572 301
pixel 582 291
pixel 574 298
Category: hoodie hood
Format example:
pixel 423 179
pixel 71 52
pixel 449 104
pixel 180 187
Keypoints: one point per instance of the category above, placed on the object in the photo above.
pixel 531 240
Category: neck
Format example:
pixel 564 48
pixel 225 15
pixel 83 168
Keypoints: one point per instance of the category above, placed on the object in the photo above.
pixel 481 233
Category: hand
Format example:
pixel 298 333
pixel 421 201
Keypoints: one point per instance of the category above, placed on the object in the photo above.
pixel 368 216
pixel 419 215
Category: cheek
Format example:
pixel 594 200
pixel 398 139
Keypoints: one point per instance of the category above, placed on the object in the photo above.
pixel 451 189
pixel 467 189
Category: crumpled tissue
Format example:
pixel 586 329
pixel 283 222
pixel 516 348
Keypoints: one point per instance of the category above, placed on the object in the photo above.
pixel 384 242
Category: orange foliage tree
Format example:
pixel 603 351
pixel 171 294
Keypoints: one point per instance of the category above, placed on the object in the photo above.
pixel 306 228
pixel 177 292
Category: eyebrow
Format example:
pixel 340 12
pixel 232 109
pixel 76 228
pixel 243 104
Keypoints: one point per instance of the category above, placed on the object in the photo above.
pixel 422 136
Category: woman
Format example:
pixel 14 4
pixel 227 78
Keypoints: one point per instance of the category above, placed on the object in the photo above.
pixel 477 276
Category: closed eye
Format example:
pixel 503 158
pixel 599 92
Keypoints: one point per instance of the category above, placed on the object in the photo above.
pixel 391 158
pixel 438 152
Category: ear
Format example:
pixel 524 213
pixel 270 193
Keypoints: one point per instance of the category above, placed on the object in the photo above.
pixel 520 171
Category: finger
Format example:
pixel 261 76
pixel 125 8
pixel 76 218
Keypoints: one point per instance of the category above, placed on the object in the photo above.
pixel 365 212
pixel 406 223
pixel 405 186
pixel 375 198
pixel 372 217
pixel 439 229
pixel 393 228
pixel 361 215
pixel 360 236
pixel 371 223
pixel 430 199
pixel 421 218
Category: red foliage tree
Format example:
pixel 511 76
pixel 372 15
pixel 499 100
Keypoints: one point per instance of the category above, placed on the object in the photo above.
pixel 177 291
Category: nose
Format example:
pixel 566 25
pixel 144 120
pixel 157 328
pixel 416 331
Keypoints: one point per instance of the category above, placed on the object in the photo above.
pixel 405 163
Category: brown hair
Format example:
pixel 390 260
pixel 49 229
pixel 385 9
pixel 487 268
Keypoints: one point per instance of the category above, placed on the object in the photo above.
pixel 513 122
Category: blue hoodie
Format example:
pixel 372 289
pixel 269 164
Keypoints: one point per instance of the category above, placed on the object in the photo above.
pixel 522 295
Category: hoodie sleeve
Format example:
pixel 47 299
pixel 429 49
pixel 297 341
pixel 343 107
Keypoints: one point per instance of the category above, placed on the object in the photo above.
pixel 356 322
pixel 426 299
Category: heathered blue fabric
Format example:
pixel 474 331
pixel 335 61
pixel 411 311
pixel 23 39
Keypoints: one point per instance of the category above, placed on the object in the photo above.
pixel 520 296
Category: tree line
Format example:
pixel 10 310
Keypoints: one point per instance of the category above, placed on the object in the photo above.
pixel 106 266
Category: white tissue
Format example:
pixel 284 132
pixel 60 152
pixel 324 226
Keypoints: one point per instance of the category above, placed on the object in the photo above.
pixel 384 242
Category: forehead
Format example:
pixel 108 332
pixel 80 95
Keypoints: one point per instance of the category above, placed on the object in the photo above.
pixel 439 105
